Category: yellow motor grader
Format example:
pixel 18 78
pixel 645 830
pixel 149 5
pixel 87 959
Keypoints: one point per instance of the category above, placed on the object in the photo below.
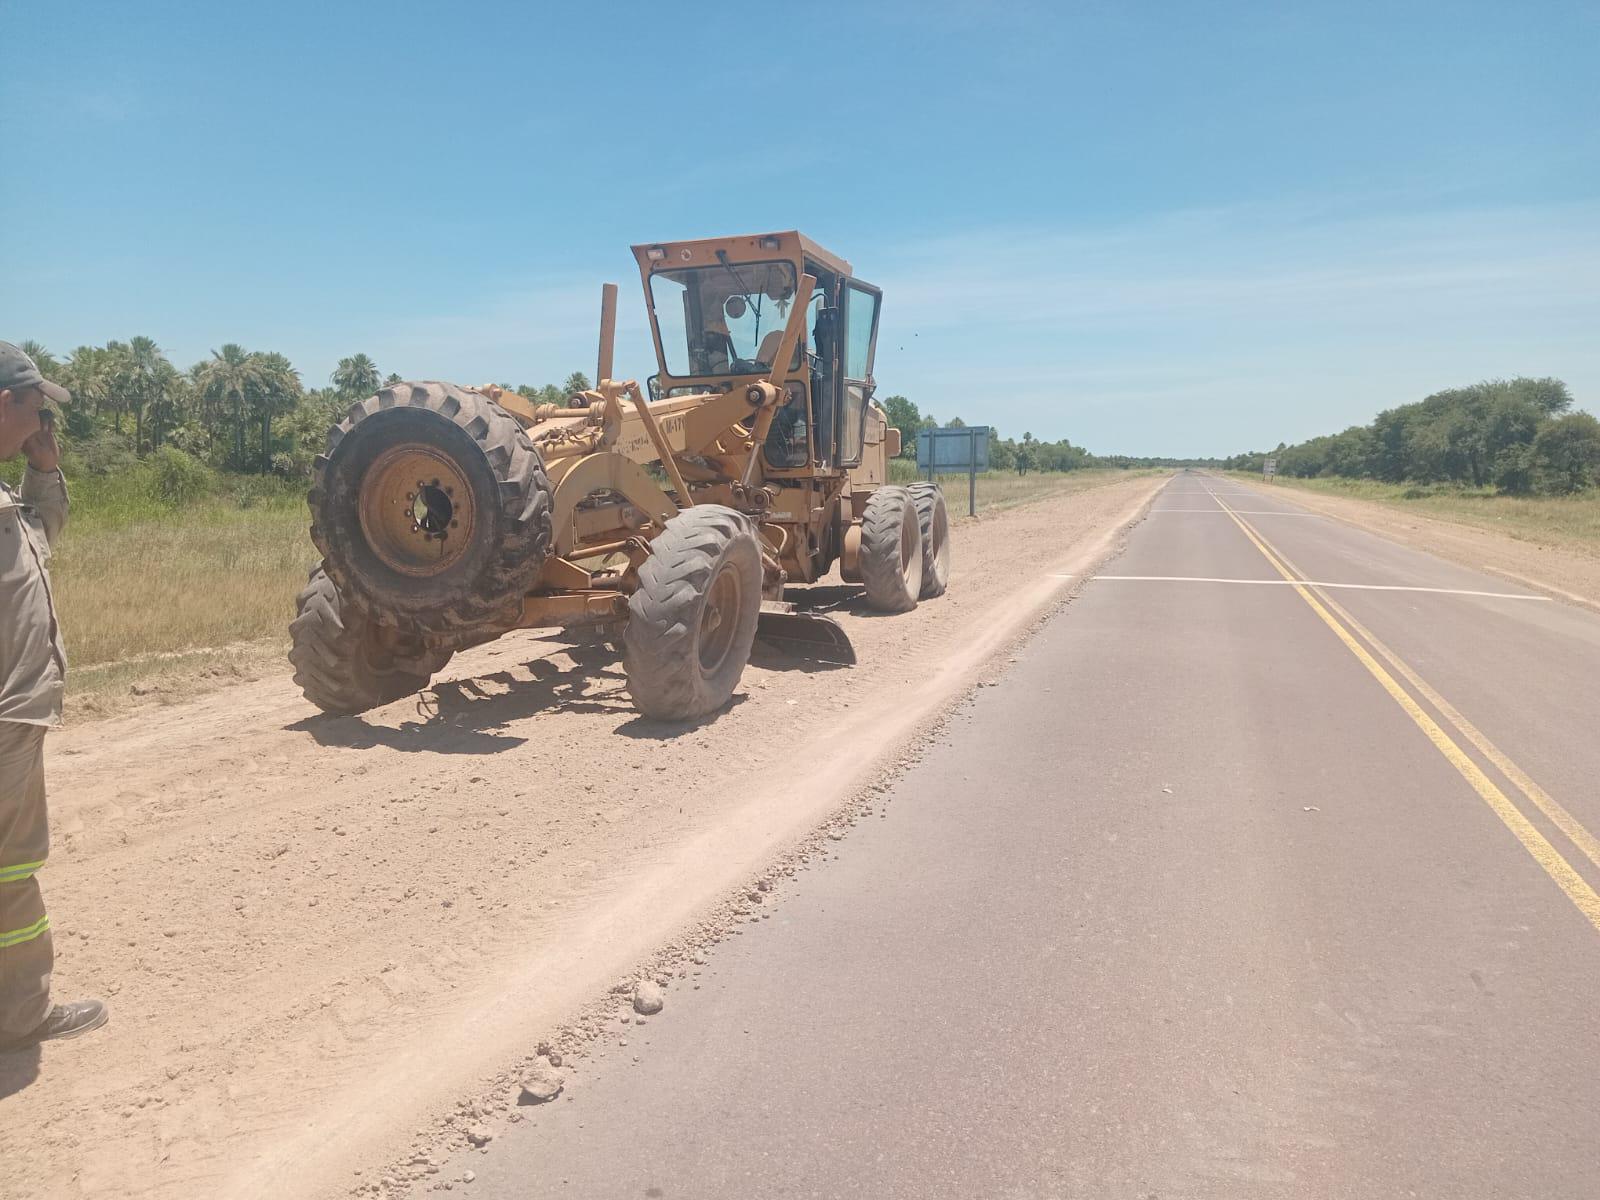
pixel 668 518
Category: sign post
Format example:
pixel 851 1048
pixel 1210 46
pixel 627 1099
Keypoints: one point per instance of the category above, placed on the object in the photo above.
pixel 1269 469
pixel 972 471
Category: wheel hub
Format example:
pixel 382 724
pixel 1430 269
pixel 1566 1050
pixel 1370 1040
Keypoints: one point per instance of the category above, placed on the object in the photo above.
pixel 417 510
pixel 719 619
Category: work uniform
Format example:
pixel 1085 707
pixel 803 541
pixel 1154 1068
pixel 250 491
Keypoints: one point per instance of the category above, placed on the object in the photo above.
pixel 33 666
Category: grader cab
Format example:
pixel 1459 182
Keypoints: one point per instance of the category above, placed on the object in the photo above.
pixel 669 518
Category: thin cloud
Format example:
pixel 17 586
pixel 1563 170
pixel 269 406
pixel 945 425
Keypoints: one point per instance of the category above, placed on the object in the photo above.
pixel 1191 332
pixel 110 107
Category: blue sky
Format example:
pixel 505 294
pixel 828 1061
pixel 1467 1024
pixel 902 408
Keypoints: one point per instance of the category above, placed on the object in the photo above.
pixel 1151 228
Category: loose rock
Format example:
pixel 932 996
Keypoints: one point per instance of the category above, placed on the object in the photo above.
pixel 540 1084
pixel 647 998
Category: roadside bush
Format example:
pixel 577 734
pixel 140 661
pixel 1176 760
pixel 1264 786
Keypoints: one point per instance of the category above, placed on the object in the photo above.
pixel 1566 454
pixel 180 478
pixel 105 453
pixel 264 491
pixel 1513 470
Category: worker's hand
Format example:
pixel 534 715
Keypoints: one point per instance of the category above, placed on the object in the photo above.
pixel 41 449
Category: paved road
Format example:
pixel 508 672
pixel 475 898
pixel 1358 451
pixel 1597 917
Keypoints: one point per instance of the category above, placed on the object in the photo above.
pixel 1228 889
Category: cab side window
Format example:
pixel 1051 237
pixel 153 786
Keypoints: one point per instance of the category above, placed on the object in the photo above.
pixel 860 326
pixel 862 318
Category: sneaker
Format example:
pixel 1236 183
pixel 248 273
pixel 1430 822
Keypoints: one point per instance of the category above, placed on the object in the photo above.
pixel 63 1021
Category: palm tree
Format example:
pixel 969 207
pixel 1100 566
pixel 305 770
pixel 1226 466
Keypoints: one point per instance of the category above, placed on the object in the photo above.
pixel 275 393
pixel 356 376
pixel 42 358
pixel 85 375
pixel 144 376
pixel 113 361
pixel 226 381
pixel 169 398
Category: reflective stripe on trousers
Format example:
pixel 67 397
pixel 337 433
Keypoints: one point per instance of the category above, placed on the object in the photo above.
pixel 27 951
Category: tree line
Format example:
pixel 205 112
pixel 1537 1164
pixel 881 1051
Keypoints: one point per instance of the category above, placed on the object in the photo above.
pixel 1516 435
pixel 245 411
pixel 1029 454
pixel 250 412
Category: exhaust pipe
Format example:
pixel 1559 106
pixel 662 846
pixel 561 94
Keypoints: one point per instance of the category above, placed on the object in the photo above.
pixel 608 333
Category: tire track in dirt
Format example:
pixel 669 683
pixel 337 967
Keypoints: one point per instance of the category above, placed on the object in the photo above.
pixel 318 934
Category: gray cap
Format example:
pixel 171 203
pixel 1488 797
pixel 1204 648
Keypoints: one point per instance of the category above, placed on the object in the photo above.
pixel 17 370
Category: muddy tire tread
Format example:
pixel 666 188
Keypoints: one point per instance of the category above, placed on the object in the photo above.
pixel 930 503
pixel 882 570
pixel 524 497
pixel 326 651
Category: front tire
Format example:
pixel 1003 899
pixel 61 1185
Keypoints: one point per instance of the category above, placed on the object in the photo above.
pixel 891 551
pixel 693 618
pixel 346 664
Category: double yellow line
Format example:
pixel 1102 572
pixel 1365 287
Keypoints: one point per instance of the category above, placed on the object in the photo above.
pixel 1348 630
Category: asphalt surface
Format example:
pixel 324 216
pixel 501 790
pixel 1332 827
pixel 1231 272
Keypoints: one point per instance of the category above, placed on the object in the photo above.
pixel 1192 903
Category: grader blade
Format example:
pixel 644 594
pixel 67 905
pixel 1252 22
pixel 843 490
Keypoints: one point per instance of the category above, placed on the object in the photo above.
pixel 804 635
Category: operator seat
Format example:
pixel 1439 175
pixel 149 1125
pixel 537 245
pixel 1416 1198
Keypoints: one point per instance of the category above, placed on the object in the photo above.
pixel 769 348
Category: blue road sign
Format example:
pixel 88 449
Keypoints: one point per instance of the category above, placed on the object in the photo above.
pixel 950 450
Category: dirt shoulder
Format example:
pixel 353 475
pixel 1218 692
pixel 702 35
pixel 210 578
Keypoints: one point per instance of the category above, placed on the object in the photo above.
pixel 326 942
pixel 1557 570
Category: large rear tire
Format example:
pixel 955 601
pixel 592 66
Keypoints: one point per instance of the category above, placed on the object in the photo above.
pixel 344 663
pixel 693 618
pixel 891 551
pixel 934 522
pixel 432 510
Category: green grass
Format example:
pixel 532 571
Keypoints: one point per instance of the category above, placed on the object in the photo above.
pixel 208 575
pixel 1571 522
pixel 147 588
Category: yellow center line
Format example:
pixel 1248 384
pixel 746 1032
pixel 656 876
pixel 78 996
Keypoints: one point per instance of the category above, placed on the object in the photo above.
pixel 1552 808
pixel 1547 856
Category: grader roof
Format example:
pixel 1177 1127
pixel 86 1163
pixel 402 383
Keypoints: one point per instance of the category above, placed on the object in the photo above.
pixel 788 244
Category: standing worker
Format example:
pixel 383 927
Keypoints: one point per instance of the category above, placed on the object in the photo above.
pixel 32 677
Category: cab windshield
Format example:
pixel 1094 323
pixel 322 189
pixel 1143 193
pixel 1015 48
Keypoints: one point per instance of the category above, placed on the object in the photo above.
pixel 723 320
